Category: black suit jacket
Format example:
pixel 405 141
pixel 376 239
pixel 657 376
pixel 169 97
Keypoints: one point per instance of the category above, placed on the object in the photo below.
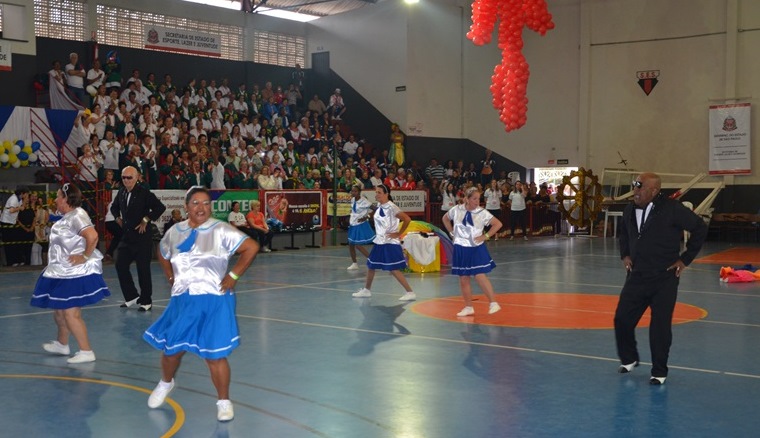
pixel 658 245
pixel 141 204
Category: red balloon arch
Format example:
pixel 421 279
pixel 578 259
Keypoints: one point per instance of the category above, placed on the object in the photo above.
pixel 509 82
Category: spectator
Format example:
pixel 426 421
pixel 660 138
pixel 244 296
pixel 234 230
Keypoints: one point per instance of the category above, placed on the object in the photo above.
pixel 237 219
pixel 316 105
pixel 517 209
pixel 487 168
pixel 337 105
pixel 410 183
pixel 434 171
pixel 493 202
pixel 176 217
pixel 75 75
pixel 377 178
pixel 258 225
pixel 449 198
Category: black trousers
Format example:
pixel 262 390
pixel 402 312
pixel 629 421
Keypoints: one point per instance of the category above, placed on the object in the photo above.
pixel 116 232
pixel 141 252
pixel 515 217
pixel 657 291
pixel 13 252
pixel 264 239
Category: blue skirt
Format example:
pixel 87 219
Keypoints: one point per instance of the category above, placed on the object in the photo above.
pixel 201 324
pixel 66 293
pixel 361 234
pixel 471 260
pixel 387 257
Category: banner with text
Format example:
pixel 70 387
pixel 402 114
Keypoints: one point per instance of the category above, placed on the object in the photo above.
pixel 221 203
pixel 183 41
pixel 295 207
pixel 5 56
pixel 409 201
pixel 730 139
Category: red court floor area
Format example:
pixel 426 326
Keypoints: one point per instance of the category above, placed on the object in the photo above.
pixel 732 257
pixel 545 310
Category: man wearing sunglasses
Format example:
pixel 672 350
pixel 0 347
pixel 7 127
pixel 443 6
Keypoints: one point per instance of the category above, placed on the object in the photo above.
pixel 650 247
pixel 134 208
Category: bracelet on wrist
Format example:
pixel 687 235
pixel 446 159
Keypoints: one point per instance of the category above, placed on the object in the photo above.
pixel 234 276
pixel 487 235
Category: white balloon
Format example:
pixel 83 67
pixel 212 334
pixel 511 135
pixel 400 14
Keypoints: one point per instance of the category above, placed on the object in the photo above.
pixel 16 149
pixel 32 157
pixel 4 158
pixel 16 164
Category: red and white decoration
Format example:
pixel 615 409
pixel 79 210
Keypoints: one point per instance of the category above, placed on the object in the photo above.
pixel 509 82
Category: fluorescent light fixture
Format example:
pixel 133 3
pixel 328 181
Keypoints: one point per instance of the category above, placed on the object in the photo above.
pixel 411 2
pixel 278 13
pixel 287 15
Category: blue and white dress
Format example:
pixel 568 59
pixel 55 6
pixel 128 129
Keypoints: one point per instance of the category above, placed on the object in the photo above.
pixel 360 233
pixel 387 253
pixel 200 318
pixel 470 257
pixel 63 285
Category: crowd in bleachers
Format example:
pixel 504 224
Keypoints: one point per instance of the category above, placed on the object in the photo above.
pixel 213 134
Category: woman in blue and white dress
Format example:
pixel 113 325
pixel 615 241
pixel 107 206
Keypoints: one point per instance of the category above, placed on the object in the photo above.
pixel 390 224
pixel 74 275
pixel 465 224
pixel 359 231
pixel 200 317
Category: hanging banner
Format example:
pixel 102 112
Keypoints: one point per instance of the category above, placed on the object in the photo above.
pixel 730 139
pixel 5 56
pixel 182 41
pixel 295 207
pixel 221 202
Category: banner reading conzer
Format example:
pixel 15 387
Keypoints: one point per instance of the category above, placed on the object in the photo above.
pixel 180 40
pixel 730 139
pixel 293 207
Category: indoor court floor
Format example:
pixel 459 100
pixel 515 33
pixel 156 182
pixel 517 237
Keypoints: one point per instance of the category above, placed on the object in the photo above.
pixel 315 362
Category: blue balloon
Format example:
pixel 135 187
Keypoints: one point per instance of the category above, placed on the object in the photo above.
pixel 20 143
pixel 36 146
pixel 23 156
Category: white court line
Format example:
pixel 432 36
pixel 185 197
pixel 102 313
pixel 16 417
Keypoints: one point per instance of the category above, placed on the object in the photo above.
pixel 483 344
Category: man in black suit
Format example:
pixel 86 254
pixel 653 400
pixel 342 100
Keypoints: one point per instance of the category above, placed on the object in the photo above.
pixel 650 247
pixel 134 208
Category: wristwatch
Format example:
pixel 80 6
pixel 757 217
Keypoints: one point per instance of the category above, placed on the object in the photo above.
pixel 146 219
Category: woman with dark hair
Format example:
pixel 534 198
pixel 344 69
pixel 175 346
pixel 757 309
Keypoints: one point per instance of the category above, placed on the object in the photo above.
pixel 200 317
pixel 10 229
pixel 359 231
pixel 465 224
pixel 517 207
pixel 73 277
pixel 390 224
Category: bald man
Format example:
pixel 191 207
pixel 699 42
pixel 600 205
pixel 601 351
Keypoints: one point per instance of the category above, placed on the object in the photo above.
pixel 650 247
pixel 134 208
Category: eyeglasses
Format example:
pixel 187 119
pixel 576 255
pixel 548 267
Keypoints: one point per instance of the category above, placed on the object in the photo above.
pixel 637 184
pixel 126 177
pixel 65 190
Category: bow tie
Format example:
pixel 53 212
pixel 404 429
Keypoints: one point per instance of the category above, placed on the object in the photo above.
pixel 467 219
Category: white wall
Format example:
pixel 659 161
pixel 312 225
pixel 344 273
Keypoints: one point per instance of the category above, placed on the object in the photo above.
pixel 368 48
pixel 434 92
pixel 552 126
pixel 28 47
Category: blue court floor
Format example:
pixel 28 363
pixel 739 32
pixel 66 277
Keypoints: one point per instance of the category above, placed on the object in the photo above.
pixel 315 362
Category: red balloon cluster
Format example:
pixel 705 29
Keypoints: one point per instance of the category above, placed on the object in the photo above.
pixel 509 82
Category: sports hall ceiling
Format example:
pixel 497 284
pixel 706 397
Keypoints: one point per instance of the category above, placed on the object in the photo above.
pixel 320 8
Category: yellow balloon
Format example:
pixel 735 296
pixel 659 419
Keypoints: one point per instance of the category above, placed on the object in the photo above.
pixel 27 149
pixel 24 163
pixel 7 144
pixel 12 158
